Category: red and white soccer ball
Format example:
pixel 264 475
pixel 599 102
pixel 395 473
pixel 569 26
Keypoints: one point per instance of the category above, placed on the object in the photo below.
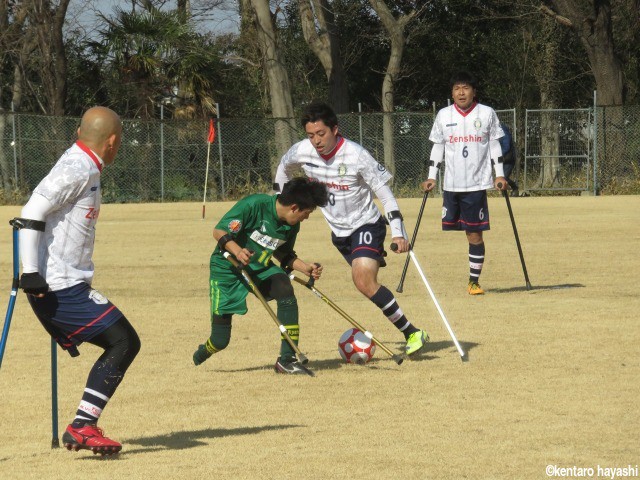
pixel 355 347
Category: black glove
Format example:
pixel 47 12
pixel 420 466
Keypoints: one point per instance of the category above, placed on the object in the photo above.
pixel 33 283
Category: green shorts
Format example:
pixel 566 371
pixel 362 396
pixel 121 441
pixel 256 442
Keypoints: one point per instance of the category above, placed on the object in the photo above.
pixel 228 291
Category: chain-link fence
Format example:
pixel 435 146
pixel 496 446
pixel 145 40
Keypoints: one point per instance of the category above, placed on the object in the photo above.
pixel 558 150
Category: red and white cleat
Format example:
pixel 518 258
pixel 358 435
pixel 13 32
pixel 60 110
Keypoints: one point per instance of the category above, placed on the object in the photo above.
pixel 89 437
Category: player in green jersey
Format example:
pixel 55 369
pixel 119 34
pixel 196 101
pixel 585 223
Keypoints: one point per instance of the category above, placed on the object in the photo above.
pixel 257 229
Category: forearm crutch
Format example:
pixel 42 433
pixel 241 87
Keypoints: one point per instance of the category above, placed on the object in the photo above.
pixel 310 285
pixel 301 356
pixel 413 241
pixel 413 257
pixel 15 283
pixel 515 233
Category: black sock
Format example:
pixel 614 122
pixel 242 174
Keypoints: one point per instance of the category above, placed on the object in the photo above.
pixel 103 380
pixel 386 302
pixel 476 260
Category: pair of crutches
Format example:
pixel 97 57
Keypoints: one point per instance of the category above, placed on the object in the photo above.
pixel 310 285
pixel 17 225
pixel 412 256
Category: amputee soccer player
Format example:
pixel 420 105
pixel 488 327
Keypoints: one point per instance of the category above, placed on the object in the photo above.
pixel 56 246
pixel 256 229
pixel 466 135
pixel 358 228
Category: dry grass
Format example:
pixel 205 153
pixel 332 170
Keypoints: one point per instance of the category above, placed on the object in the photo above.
pixel 552 377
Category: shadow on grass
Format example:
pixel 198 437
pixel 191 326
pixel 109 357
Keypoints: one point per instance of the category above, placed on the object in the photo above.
pixel 381 360
pixel 190 439
pixel 535 287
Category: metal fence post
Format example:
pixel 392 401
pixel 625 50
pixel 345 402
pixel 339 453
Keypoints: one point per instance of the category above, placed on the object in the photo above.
pixel 15 146
pixel 161 153
pixel 220 151
pixel 595 143
pixel 360 120
pixel 526 138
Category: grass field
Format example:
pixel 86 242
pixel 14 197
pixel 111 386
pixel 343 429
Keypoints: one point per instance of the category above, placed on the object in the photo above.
pixel 553 376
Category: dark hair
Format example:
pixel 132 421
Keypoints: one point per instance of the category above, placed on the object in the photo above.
pixel 463 77
pixel 304 192
pixel 319 111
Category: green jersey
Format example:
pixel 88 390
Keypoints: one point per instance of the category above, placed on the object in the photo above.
pixel 253 224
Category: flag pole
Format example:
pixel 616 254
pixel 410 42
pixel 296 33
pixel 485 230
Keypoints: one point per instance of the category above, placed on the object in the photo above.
pixel 210 138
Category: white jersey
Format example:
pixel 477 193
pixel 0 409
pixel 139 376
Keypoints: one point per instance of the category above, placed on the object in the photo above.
pixel 350 174
pixel 466 137
pixel 66 247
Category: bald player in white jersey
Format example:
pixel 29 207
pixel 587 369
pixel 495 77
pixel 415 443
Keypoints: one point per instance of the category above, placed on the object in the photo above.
pixel 57 233
pixel 358 229
pixel 466 134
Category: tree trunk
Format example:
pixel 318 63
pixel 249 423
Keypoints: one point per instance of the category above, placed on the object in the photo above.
pixel 545 46
pixel 324 42
pixel 591 20
pixel 5 169
pixel 277 76
pixel 48 22
pixel 395 31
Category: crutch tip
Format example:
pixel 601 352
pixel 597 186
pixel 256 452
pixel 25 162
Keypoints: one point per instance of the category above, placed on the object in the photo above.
pixel 465 357
pixel 398 359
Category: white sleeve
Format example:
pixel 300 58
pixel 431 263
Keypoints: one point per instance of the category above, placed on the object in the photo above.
pixel 390 204
pixel 437 154
pixel 37 208
pixel 287 164
pixel 495 151
pixel 281 177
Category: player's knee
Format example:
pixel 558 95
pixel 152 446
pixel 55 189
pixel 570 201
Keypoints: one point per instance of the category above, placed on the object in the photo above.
pixel 281 289
pixel 288 301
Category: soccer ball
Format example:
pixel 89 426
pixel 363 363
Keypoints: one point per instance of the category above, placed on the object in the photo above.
pixel 355 347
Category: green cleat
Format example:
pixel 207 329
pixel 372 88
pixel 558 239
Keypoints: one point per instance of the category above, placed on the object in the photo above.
pixel 416 342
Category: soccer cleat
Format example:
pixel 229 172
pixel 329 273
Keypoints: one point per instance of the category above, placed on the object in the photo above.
pixel 416 342
pixel 200 355
pixel 474 289
pixel 89 437
pixel 292 367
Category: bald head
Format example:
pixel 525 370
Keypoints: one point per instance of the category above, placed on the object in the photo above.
pixel 101 130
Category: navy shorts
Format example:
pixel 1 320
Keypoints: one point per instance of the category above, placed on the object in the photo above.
pixel 74 315
pixel 466 211
pixel 366 241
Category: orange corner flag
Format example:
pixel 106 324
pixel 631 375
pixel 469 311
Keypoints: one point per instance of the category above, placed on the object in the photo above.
pixel 212 132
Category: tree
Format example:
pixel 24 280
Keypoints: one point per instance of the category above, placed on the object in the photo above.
pixel 156 56
pixel 591 21
pixel 321 34
pixel 277 78
pixel 395 29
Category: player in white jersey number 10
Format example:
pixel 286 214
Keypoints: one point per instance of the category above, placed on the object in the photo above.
pixel 358 229
pixel 466 135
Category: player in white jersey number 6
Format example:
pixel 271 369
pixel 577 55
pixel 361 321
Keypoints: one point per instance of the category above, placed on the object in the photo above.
pixel 358 229
pixel 466 134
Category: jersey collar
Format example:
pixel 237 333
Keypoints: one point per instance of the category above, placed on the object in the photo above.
pixel 466 112
pixel 332 153
pixel 89 152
